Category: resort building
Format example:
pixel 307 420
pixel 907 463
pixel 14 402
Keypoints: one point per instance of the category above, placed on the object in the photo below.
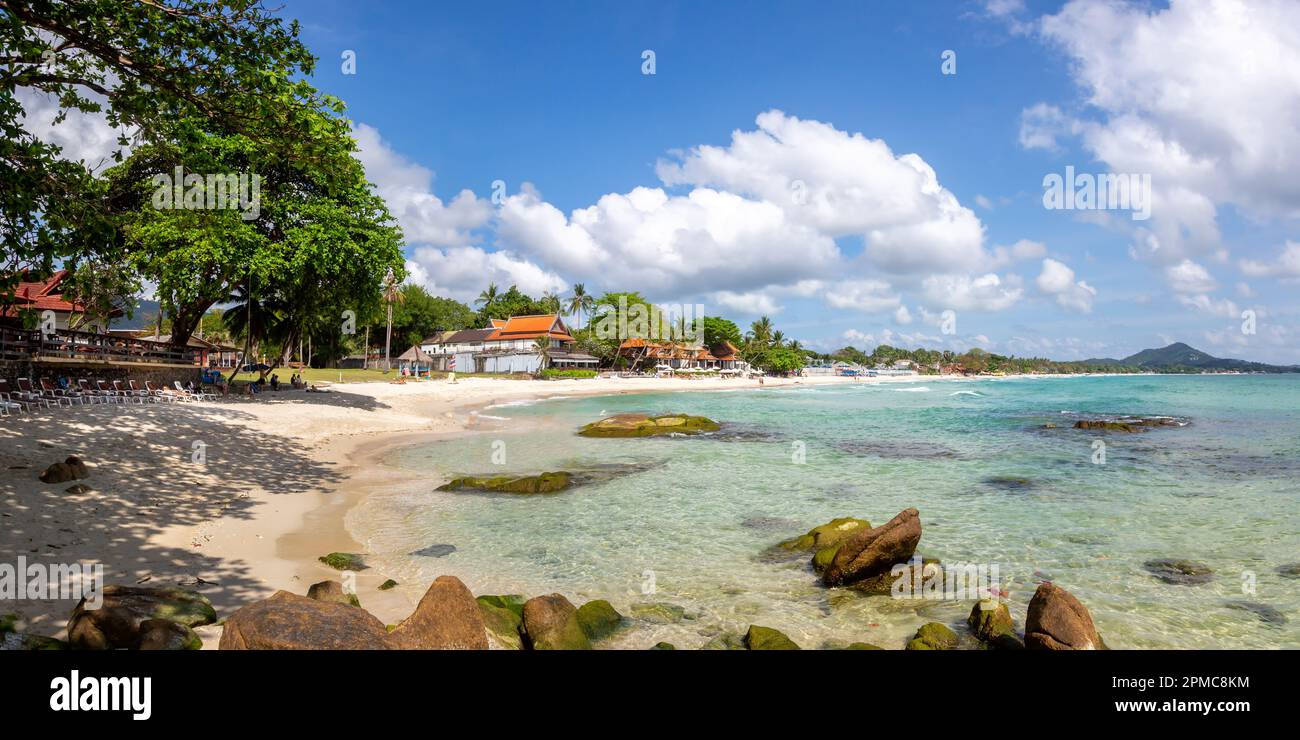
pixel 507 346
pixel 41 296
pixel 646 354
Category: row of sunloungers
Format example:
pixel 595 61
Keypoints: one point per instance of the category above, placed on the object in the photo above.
pixel 30 396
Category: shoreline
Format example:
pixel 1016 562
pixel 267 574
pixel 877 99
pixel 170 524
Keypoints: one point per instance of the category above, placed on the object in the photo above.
pixel 281 476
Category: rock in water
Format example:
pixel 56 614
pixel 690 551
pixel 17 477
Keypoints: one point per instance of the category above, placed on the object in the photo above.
pixel 288 621
pixel 1179 572
pixel 868 555
pixel 830 534
pixel 502 626
pixel 116 623
pixel 1057 621
pixel 161 634
pixel 933 636
pixel 447 618
pixel 435 551
pixel 658 612
pixel 641 425
pixel 544 483
pixel 993 626
pixel 332 591
pixel 1290 570
pixel 551 623
pixel 513 602
pixel 386 585
pixel 862 646
pixel 663 646
pixel 598 619
pixel 1269 614
pixel 766 638
pixel 344 561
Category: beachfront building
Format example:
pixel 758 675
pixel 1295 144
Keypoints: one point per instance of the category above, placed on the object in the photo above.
pixel 898 367
pixel 646 354
pixel 209 354
pixel 45 298
pixel 507 346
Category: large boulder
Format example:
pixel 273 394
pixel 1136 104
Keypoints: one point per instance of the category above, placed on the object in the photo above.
pixel 641 425
pixel 502 626
pixel 830 534
pixel 551 623
pixel 865 559
pixel 116 623
pixel 767 638
pixel 447 618
pixel 288 621
pixel 543 483
pixel 990 622
pixel 599 619
pixel 162 634
pixel 332 591
pixel 1057 621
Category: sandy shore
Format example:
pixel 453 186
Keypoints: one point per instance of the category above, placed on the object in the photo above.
pixel 238 498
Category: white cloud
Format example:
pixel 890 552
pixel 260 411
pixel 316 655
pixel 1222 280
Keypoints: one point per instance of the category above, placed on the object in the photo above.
pixel 83 137
pixel 1189 277
pixel 1217 307
pixel 1025 249
pixel 867 296
pixel 407 187
pixel 903 316
pixel 1202 95
pixel 1287 265
pixel 1057 280
pixel 463 272
pixel 968 293
pixel 754 303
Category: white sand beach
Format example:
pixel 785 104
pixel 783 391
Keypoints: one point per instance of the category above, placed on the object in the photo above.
pixel 238 498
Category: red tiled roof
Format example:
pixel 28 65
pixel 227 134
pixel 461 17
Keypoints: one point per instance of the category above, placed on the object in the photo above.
pixel 45 295
pixel 531 327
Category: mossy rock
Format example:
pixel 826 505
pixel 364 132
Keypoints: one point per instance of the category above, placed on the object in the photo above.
pixel 344 561
pixel 863 646
pixel 8 623
pixel 1289 570
pixel 663 646
pixel 933 636
pixel 830 534
pixel 641 425
pixel 502 625
pixel 543 483
pixel 599 619
pixel 387 585
pixel 824 557
pixel 513 602
pixel 989 619
pixel 1110 426
pixel 22 641
pixel 658 612
pixel 1179 572
pixel 766 638
pixel 725 641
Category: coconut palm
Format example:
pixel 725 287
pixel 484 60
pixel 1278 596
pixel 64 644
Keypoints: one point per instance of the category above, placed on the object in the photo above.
pixel 760 332
pixel 543 344
pixel 580 302
pixel 487 298
pixel 778 338
pixel 551 302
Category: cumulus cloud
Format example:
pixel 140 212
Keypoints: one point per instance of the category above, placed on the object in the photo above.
pixel 1222 307
pixel 407 188
pixel 83 137
pixel 1189 277
pixel 986 292
pixel 1286 266
pixel 867 296
pixel 1057 280
pixel 462 272
pixel 754 303
pixel 1202 95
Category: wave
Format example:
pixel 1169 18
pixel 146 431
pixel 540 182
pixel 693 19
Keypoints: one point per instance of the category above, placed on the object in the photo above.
pixel 921 389
pixel 976 394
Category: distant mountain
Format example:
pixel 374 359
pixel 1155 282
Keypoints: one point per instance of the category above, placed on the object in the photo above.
pixel 144 311
pixel 1179 357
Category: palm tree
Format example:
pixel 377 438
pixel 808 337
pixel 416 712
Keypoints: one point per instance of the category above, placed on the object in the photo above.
pixel 488 297
pixel 581 301
pixel 778 338
pixel 392 293
pixel 551 302
pixel 543 344
pixel 761 331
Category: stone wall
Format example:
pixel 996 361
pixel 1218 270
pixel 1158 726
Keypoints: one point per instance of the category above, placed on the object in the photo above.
pixel 162 375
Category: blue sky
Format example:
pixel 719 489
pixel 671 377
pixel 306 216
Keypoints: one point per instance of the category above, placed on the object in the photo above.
pixel 623 180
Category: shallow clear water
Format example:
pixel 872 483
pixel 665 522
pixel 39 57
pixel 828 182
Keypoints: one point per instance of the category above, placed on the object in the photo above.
pixel 693 521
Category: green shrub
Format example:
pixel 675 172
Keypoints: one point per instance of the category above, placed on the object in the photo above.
pixel 551 374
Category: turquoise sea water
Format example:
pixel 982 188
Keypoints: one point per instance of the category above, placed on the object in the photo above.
pixel 691 521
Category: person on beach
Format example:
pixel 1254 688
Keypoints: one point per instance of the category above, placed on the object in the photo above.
pixel 275 382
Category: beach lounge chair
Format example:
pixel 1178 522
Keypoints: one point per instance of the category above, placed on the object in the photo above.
pixel 107 391
pixel 94 395
pixel 150 393
pixel 164 393
pixel 192 395
pixel 26 400
pixel 128 393
pixel 48 387
pixel 10 401
pixel 25 385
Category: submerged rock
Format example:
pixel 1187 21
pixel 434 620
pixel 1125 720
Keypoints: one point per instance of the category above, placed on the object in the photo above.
pixel 434 551
pixel 862 646
pixel 933 636
pixel 332 591
pixel 663 646
pixel 1268 614
pixel 1009 482
pixel 1058 621
pixel 288 621
pixel 658 612
pixel 1290 570
pixel 898 449
pixel 344 561
pixel 116 623
pixel 642 425
pixel 447 618
pixel 599 619
pixel 1129 424
pixel 1179 572
pixel 867 556
pixel 766 638
pixel 551 623
pixel 543 483
pixel 725 641
pixel 386 585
